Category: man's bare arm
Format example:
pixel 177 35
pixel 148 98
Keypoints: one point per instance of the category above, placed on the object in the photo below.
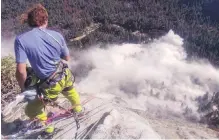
pixel 21 74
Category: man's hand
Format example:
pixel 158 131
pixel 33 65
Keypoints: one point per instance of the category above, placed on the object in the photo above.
pixel 21 74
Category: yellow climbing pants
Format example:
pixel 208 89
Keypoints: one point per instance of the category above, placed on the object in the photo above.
pixel 35 107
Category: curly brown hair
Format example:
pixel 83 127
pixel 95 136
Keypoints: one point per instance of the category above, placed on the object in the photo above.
pixel 35 16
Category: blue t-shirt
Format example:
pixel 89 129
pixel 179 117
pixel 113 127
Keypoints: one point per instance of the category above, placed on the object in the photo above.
pixel 42 50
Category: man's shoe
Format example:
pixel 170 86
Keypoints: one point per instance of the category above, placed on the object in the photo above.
pixel 79 114
pixel 49 129
pixel 41 124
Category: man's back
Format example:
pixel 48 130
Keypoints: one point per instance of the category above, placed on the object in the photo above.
pixel 41 49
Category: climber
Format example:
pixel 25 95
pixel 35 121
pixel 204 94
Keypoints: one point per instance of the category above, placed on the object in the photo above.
pixel 45 49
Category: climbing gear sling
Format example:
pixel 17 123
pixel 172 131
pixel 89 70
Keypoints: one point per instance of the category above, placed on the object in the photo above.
pixel 56 76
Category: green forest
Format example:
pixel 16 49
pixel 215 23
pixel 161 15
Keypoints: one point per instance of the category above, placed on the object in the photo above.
pixel 197 21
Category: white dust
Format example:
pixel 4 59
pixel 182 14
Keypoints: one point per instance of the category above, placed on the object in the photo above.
pixel 152 77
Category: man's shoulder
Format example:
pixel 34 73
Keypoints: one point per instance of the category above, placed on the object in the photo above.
pixel 32 33
pixel 54 32
pixel 23 35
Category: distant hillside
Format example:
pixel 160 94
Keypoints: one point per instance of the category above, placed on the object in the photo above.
pixel 126 21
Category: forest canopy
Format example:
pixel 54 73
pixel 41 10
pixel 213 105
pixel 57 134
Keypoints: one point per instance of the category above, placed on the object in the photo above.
pixel 134 21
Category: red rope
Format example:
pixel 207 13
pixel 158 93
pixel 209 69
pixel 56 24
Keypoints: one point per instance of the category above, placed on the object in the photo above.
pixel 66 111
